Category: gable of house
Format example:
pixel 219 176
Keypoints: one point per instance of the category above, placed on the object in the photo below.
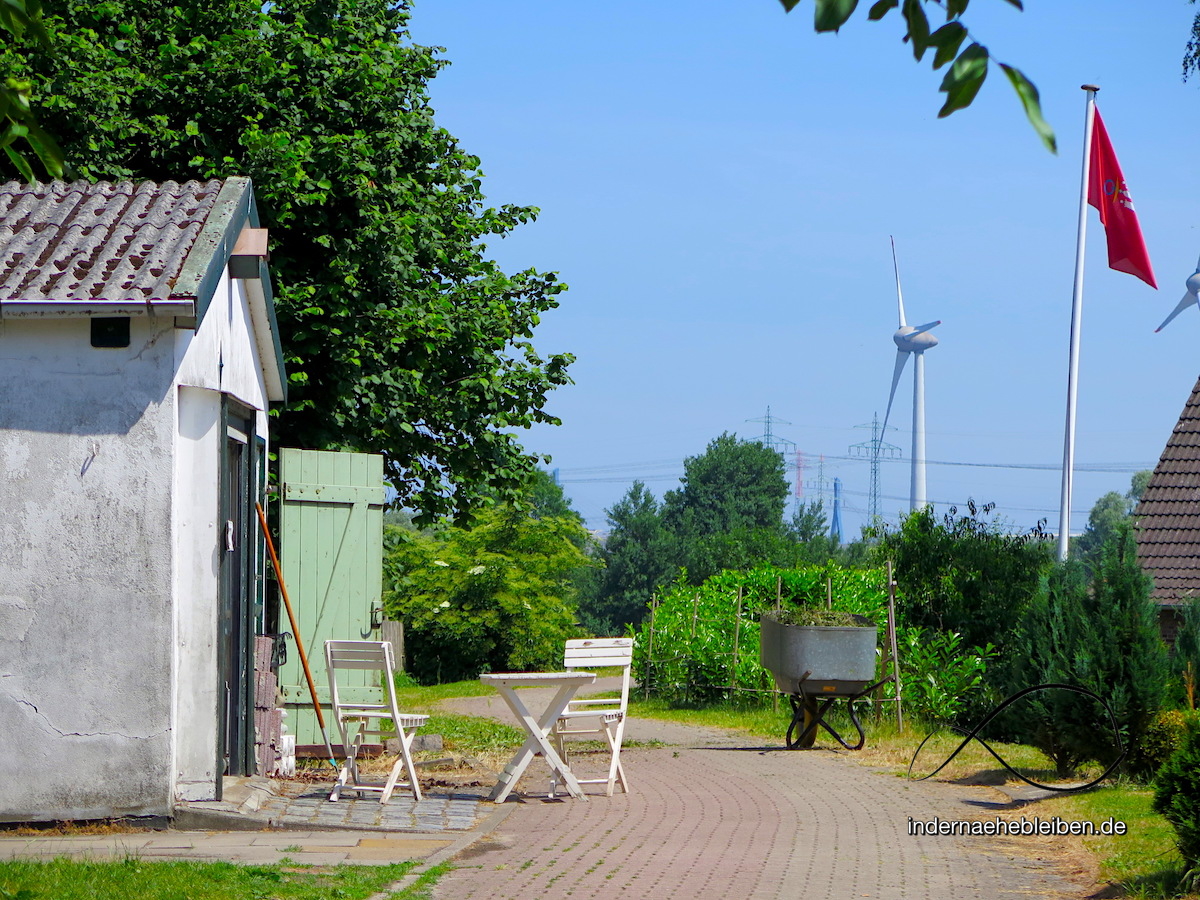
pixel 1168 515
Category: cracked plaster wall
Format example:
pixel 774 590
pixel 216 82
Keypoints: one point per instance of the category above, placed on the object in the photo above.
pixel 86 619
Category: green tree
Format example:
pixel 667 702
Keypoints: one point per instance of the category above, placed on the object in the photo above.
pixel 400 335
pixel 546 498
pixel 968 66
pixel 22 19
pixel 1097 630
pixel 1108 516
pixel 639 557
pixel 1138 484
pixel 964 573
pixel 733 485
pixel 495 596
pixel 809 528
pixel 728 511
pixel 808 522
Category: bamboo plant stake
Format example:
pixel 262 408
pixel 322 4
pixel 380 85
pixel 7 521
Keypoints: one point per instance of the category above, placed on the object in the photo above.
pixel 650 647
pixel 892 643
pixel 737 627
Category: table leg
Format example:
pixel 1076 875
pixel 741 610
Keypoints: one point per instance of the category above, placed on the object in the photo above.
pixel 538 729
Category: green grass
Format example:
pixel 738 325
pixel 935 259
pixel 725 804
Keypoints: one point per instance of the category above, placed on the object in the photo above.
pixel 1143 861
pixel 421 698
pixel 63 879
pixel 470 735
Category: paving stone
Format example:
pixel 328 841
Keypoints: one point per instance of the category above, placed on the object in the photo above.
pixel 728 822
pixel 708 818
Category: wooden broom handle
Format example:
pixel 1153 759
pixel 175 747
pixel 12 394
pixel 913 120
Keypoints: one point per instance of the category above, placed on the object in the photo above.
pixel 312 688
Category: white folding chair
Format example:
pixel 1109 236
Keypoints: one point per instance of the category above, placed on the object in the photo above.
pixel 357 720
pixel 605 716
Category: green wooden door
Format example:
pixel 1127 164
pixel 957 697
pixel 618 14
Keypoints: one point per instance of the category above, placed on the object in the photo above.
pixel 331 534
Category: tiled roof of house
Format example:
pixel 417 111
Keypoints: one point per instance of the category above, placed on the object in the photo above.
pixel 1169 512
pixel 66 243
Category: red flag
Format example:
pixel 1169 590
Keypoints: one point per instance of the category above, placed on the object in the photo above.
pixel 1108 193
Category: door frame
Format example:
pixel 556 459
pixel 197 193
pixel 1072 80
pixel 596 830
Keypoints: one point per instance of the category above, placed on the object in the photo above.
pixel 239 555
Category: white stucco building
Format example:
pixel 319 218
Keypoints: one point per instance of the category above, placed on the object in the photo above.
pixel 138 356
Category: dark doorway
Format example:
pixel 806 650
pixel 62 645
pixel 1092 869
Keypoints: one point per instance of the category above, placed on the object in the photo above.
pixel 236 627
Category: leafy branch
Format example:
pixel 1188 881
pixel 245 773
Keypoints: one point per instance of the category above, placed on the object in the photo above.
pixel 968 67
pixel 18 18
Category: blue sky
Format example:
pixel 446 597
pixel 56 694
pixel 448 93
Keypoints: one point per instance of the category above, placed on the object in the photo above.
pixel 718 183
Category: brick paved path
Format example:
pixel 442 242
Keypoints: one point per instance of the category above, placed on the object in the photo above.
pixel 711 819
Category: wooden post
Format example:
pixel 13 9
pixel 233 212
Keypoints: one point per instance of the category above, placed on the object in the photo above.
pixel 737 627
pixel 393 631
pixel 650 648
pixel 778 610
pixel 828 592
pixel 892 644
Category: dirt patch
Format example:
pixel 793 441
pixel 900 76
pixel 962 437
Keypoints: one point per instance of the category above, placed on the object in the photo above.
pixel 80 829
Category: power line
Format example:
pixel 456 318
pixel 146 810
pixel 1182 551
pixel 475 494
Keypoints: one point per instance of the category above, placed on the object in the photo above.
pixel 1109 468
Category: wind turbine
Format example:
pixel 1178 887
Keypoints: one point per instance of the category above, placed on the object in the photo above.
pixel 912 341
pixel 1192 296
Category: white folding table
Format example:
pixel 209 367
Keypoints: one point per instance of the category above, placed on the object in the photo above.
pixel 567 683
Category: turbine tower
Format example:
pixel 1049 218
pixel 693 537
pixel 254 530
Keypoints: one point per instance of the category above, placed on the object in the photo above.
pixel 912 341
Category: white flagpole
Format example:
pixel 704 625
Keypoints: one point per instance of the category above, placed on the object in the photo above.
pixel 1068 473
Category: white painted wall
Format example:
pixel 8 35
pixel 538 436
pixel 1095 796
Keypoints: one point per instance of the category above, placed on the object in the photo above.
pixel 197 591
pixel 87 628
pixel 221 354
pixel 219 357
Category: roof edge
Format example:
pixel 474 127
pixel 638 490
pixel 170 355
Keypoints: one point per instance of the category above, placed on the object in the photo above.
pixel 66 309
pixel 205 262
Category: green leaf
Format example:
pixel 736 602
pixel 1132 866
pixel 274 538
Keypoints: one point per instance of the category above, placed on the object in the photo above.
pixel 19 161
pixel 831 15
pixel 789 5
pixel 947 39
pixel 47 151
pixel 1033 106
pixel 1018 4
pixel 964 79
pixel 918 27
pixel 191 128
pixel 881 8
pixel 955 8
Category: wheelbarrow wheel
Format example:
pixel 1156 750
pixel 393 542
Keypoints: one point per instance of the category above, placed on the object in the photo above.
pixel 803 718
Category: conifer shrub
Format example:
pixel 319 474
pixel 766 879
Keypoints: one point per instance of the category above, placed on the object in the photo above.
pixel 1164 735
pixel 1096 630
pixel 1177 796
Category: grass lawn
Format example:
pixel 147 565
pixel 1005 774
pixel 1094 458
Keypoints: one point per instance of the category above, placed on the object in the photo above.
pixel 63 879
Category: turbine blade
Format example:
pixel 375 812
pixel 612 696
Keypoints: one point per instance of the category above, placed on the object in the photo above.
pixel 899 295
pixel 1188 299
pixel 901 359
pixel 928 326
